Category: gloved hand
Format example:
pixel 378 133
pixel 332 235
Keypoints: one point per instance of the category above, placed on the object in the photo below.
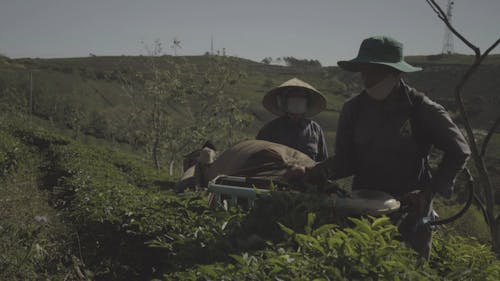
pixel 295 173
pixel 419 201
pixel 316 175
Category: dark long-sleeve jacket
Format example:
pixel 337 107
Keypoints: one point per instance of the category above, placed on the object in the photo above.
pixel 304 135
pixel 385 143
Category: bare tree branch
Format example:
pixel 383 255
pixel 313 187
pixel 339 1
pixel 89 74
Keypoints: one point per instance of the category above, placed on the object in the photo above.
pixel 489 135
pixel 493 46
pixel 483 178
pixel 497 121
pixel 434 8
pixel 460 102
pixel 442 15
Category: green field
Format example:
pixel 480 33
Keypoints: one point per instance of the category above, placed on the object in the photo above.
pixel 80 199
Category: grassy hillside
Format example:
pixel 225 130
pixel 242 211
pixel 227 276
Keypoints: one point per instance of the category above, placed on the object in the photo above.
pixel 456 59
pixel 93 83
pixel 93 86
pixel 80 202
pixel 87 95
pixel 80 211
pixel 480 94
pixel 92 211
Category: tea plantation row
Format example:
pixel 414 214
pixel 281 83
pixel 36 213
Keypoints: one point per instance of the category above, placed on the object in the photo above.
pixel 129 226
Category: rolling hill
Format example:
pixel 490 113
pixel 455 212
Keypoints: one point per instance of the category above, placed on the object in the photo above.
pixel 79 202
pixel 93 83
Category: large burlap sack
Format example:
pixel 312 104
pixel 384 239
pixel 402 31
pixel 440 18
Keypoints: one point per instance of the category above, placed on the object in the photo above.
pixel 253 158
pixel 257 158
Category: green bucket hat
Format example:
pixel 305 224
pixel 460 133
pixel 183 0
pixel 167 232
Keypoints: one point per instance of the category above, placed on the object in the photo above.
pixel 379 50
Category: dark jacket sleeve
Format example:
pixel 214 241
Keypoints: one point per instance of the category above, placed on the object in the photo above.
pixel 341 164
pixel 265 133
pixel 444 134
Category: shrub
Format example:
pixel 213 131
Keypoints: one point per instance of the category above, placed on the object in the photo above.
pixel 471 224
pixel 10 152
pixel 129 231
pixel 460 258
pixel 368 251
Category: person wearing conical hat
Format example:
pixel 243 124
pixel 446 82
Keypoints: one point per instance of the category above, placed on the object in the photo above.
pixel 294 102
pixel 384 135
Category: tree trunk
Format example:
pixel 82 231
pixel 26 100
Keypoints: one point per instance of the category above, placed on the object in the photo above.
pixel 478 157
pixel 156 152
pixel 171 170
pixel 157 135
pixel 496 237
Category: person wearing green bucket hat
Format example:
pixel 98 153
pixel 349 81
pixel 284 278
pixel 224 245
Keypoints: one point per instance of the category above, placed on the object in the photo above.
pixel 379 50
pixel 384 136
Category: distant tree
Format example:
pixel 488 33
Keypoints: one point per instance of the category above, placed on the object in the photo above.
pixel 153 102
pixel 13 102
pixel 47 106
pixel 268 83
pixel 75 117
pixel 3 59
pixel 178 106
pixel 266 60
pixel 219 114
pixel 478 150
pixel 304 63
pixel 98 125
pixel 337 86
pixel 332 81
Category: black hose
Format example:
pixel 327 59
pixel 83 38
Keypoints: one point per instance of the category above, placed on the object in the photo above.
pixel 470 187
pixel 480 204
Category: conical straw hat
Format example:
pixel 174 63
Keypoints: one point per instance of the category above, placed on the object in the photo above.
pixel 316 101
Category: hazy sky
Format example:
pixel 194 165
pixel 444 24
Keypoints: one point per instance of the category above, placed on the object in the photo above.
pixel 327 30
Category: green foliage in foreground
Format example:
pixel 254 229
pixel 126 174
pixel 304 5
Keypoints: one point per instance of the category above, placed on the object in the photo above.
pixel 34 244
pixel 459 258
pixel 11 152
pixel 114 203
pixel 367 251
pixel 122 226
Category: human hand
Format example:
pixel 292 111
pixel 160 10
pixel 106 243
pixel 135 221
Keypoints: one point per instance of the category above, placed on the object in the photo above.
pixel 295 173
pixel 419 200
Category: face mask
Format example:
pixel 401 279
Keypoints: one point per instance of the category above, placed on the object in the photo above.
pixel 296 105
pixel 382 89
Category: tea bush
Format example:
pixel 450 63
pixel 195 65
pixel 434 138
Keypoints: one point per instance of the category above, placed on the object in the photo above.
pixel 34 244
pixel 471 224
pixel 460 258
pixel 98 192
pixel 125 228
pixel 368 251
pixel 10 153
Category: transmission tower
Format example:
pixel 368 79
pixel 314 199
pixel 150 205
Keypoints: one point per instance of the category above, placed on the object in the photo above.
pixel 448 35
pixel 176 45
pixel 212 45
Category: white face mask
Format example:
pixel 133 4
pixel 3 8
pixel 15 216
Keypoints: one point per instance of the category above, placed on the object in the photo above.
pixel 382 89
pixel 296 105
